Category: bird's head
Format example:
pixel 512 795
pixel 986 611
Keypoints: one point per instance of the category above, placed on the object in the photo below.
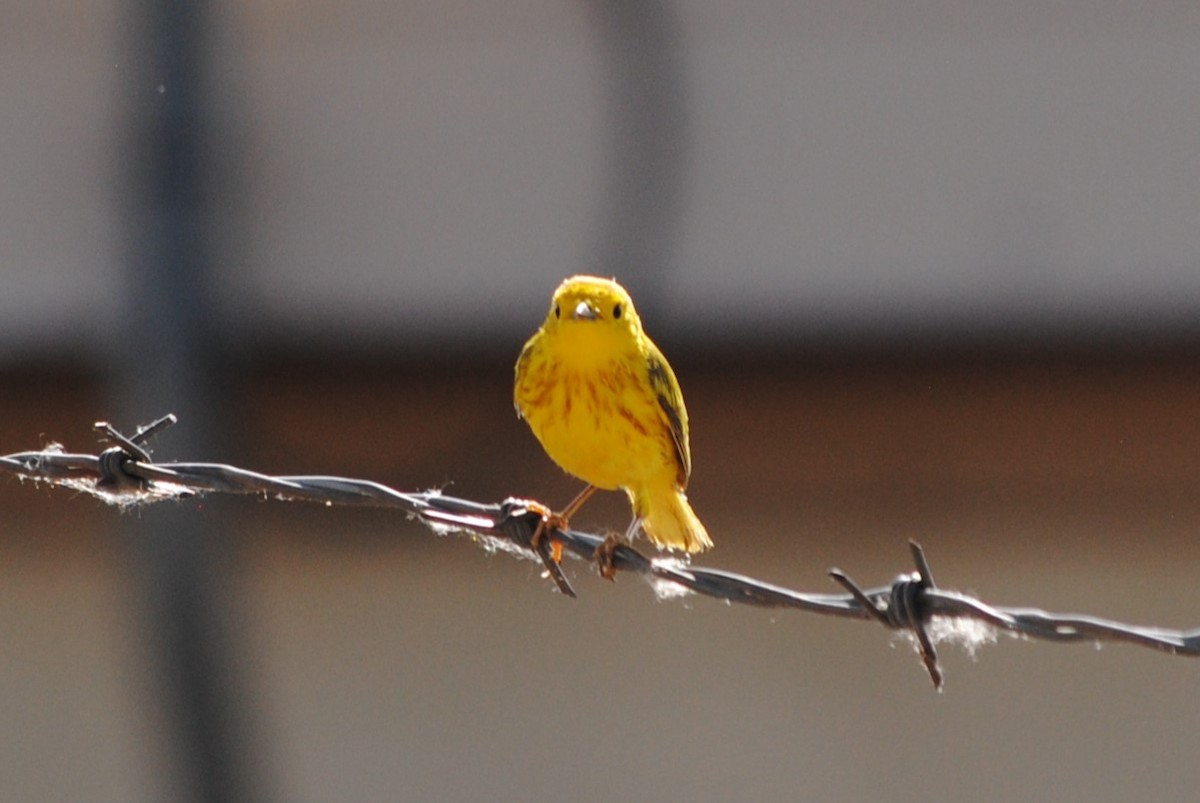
pixel 590 305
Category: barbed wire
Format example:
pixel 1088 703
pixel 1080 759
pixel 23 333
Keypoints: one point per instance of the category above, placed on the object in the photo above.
pixel 124 475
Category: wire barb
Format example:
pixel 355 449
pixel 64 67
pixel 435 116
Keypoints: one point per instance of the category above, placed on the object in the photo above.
pixel 133 444
pixel 124 475
pixel 902 609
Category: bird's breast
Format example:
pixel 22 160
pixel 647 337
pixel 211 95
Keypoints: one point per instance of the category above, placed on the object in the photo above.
pixel 597 422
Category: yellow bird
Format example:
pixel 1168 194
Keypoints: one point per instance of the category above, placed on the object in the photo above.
pixel 606 406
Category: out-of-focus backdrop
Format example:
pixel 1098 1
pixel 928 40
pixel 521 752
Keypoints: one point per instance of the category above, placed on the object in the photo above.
pixel 924 271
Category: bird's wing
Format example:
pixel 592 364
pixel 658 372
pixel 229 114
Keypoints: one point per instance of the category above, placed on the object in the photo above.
pixel 670 399
pixel 522 366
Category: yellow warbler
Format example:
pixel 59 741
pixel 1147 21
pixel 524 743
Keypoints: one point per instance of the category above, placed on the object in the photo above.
pixel 606 406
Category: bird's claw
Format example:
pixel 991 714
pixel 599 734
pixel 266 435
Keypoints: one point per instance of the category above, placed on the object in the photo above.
pixel 606 556
pixel 549 551
pixel 550 521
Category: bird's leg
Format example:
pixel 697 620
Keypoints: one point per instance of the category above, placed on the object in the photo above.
pixel 573 507
pixel 558 521
pixel 605 554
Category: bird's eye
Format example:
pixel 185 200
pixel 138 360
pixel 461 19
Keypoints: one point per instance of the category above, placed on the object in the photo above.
pixel 557 312
pixel 617 311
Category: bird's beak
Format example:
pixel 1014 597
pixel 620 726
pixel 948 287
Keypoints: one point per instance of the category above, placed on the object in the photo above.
pixel 584 311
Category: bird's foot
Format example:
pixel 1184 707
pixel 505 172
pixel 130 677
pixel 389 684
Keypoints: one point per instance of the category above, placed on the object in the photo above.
pixel 556 521
pixel 606 554
pixel 550 521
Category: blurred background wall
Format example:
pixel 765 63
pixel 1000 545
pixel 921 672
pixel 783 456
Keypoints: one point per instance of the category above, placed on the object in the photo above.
pixel 925 271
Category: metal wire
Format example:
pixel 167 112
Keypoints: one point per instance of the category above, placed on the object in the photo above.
pixel 124 475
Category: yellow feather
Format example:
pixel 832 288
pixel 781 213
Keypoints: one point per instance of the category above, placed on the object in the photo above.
pixel 606 406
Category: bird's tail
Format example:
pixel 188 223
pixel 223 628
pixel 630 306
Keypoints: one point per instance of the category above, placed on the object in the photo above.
pixel 668 519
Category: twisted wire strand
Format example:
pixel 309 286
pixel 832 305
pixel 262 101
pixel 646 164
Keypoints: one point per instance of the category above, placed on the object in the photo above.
pixel 125 475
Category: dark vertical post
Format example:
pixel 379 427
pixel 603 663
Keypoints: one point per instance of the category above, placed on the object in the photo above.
pixel 169 360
